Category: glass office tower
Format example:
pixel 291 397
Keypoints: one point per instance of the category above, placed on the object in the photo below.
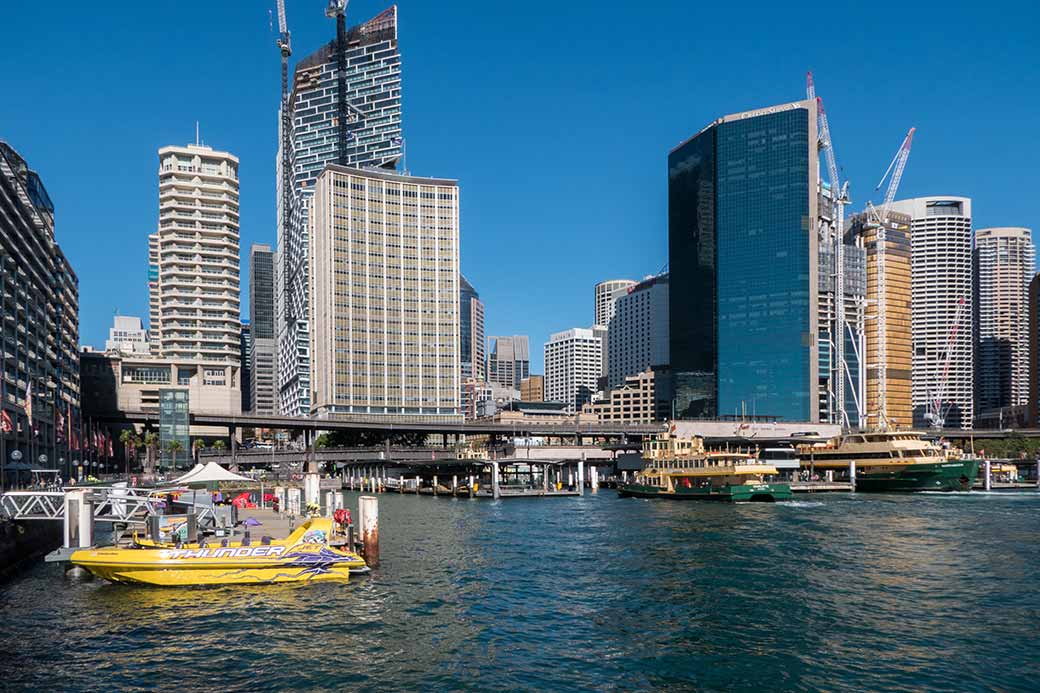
pixel 743 254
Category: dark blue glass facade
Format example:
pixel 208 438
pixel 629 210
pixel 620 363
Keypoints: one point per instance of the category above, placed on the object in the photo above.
pixel 691 258
pixel 743 261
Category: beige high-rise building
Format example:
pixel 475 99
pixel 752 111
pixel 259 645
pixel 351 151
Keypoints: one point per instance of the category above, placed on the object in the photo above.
pixel 194 257
pixel 1004 263
pixel 383 264
pixel 895 410
pixel 532 389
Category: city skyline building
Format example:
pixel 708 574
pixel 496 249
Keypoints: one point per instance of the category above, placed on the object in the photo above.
pixel 573 362
pixel 744 261
pixel 39 325
pixel 384 259
pixel 472 356
pixel 508 360
pixel 1003 265
pixel 263 347
pixel 942 374
pixel 196 259
pixel 638 332
pixel 128 336
pixel 1033 407
pixel 606 293
pixel 532 389
pixel 345 101
pixel 246 373
pixel 895 409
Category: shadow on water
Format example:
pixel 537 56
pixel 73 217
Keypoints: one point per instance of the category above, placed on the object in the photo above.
pixel 824 592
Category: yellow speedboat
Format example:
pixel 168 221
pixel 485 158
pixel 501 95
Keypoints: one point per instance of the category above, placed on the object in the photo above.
pixel 304 556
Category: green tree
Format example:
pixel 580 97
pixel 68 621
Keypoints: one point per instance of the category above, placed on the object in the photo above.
pixel 197 447
pixel 174 446
pixel 150 441
pixel 219 445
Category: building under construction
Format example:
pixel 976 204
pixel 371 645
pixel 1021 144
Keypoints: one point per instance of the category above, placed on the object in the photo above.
pixel 895 409
pixel 343 106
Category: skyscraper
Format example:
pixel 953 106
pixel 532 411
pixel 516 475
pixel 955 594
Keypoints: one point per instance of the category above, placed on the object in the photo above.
pixel 39 323
pixel 744 266
pixel 261 318
pixel 605 294
pixel 638 333
pixel 346 109
pixel 195 293
pixel 509 361
pixel 1004 263
pixel 246 350
pixel 573 361
pixel 384 309
pixel 471 331
pixel 941 311
pixel 894 409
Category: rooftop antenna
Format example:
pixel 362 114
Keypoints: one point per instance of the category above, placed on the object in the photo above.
pixel 196 133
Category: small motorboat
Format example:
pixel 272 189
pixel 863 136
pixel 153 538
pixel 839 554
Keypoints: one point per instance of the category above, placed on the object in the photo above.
pixel 306 555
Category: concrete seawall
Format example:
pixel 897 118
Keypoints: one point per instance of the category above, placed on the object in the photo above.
pixel 21 542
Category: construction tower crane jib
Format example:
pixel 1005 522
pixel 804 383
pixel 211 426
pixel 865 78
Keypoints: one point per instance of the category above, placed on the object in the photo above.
pixel 839 198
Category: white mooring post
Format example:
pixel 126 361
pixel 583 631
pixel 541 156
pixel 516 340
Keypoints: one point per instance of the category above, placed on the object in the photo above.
pixel 594 478
pixel 470 485
pixel 79 519
pixel 329 504
pixel 454 484
pixel 368 520
pixel 852 474
pixel 311 488
pixel 495 492
pixel 581 475
pixel 434 484
pixel 989 475
pixel 418 482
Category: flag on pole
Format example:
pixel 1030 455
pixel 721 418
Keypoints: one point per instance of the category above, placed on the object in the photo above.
pixel 28 404
pixel 59 428
pixel 111 452
pixel 5 422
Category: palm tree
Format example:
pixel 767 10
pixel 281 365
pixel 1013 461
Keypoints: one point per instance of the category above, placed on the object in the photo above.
pixel 173 446
pixel 150 440
pixel 198 446
pixel 219 445
pixel 126 437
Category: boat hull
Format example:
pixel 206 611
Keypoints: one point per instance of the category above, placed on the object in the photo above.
pixel 305 556
pixel 948 475
pixel 742 493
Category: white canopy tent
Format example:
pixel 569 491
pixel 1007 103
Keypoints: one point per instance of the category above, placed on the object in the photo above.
pixel 208 473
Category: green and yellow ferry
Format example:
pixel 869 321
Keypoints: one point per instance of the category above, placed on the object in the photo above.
pixel 680 469
pixel 893 461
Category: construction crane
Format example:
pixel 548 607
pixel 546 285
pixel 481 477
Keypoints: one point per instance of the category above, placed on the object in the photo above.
pixel 284 43
pixel 839 198
pixel 936 414
pixel 337 9
pixel 879 217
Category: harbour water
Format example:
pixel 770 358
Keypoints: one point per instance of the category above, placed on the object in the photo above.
pixel 831 592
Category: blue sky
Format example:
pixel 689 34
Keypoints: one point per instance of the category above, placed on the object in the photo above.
pixel 555 117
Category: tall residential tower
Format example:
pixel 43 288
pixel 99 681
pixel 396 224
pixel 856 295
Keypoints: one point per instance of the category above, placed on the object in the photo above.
pixel 263 349
pixel 941 311
pixel 1004 264
pixel 195 294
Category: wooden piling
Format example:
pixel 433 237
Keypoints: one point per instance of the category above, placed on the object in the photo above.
pixel 368 516
pixel 434 484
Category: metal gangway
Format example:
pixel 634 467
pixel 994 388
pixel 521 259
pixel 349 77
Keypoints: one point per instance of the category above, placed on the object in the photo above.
pixel 79 508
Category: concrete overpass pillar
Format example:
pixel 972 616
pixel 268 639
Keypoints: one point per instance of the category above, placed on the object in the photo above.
pixel 233 435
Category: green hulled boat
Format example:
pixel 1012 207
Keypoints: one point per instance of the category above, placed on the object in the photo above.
pixel 893 462
pixel 682 470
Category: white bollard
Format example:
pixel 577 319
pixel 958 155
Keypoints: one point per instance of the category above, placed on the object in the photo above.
pixel 495 488
pixel 79 520
pixel 594 477
pixel 311 488
pixel 852 474
pixel 581 476
pixel 989 477
pixel 368 521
